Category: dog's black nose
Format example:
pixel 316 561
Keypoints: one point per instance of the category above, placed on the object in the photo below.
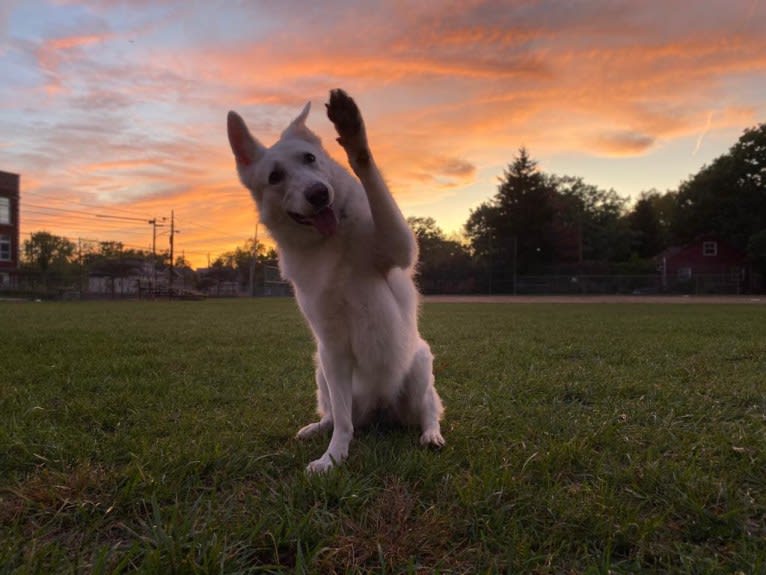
pixel 317 195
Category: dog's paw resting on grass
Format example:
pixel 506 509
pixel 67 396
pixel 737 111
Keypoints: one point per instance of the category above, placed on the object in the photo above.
pixel 321 465
pixel 432 438
pixel 312 429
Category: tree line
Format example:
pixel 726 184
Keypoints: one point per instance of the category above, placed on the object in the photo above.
pixel 535 224
pixel 539 223
pixel 50 262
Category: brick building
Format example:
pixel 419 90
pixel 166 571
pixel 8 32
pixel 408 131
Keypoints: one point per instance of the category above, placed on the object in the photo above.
pixel 9 228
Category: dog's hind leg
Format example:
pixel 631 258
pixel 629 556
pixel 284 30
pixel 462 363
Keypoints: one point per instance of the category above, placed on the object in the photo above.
pixel 423 402
pixel 323 408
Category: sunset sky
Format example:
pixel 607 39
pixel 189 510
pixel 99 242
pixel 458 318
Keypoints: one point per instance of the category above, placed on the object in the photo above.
pixel 118 107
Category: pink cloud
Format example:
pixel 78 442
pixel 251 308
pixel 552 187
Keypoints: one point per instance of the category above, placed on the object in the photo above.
pixel 452 89
pixel 624 143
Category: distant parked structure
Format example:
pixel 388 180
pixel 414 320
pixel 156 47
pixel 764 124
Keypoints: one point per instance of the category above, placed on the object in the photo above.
pixel 9 229
pixel 706 265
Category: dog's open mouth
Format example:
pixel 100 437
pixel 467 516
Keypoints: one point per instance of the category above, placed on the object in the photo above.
pixel 325 221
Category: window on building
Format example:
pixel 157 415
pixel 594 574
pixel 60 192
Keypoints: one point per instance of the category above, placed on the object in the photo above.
pixel 5 248
pixel 710 248
pixel 5 211
pixel 684 274
pixel 5 279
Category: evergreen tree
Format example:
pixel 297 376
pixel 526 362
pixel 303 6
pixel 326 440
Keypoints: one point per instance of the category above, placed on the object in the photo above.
pixel 512 233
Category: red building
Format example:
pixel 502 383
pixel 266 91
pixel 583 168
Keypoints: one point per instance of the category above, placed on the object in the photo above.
pixel 706 265
pixel 9 228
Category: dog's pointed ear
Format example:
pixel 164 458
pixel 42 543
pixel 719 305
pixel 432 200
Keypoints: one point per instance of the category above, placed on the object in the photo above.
pixel 298 126
pixel 247 150
pixel 300 121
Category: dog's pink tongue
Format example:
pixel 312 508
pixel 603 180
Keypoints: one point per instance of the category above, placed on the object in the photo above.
pixel 326 222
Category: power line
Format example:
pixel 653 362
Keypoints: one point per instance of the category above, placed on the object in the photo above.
pixel 41 217
pixel 195 224
pixel 44 218
pixel 75 229
pixel 82 214
pixel 78 220
pixel 97 206
pixel 101 241
pixel 221 234
pixel 23 205
pixel 126 219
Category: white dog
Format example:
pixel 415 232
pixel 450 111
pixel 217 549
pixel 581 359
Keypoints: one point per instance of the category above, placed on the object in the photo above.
pixel 350 256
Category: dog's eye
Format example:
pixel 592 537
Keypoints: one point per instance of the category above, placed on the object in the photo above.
pixel 309 158
pixel 276 176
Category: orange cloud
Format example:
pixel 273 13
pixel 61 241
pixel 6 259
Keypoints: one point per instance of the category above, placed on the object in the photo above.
pixel 622 143
pixel 449 93
pixel 119 165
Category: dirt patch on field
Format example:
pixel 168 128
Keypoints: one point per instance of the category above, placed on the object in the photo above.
pixel 679 299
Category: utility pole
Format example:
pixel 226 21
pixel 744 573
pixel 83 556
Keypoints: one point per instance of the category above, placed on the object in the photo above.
pixel 170 269
pixel 252 262
pixel 82 265
pixel 155 225
pixel 491 263
pixel 515 258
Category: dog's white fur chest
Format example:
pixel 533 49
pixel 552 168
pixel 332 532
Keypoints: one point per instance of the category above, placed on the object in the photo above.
pixel 354 308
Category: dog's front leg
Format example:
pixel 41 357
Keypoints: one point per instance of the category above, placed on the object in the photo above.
pixel 393 236
pixel 338 372
pixel 323 408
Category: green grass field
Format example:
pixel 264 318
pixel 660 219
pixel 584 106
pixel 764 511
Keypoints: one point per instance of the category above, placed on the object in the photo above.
pixel 580 439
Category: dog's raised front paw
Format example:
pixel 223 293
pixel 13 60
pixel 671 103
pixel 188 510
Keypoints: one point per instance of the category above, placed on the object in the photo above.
pixel 344 113
pixel 432 437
